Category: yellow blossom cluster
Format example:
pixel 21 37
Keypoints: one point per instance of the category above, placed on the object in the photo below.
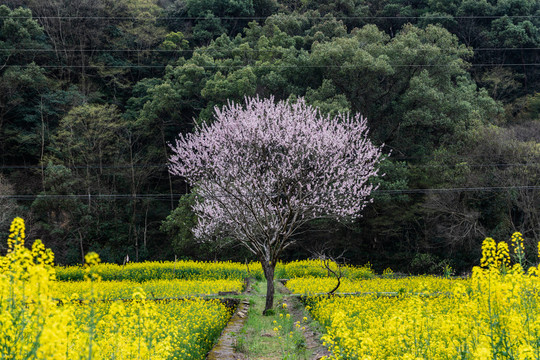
pixel 517 242
pixel 489 253
pixel 16 233
pixel 503 255
pixel 38 322
pixel 316 268
pixel 495 255
pixel 493 315
pixel 154 289
pixel 153 270
pixel 519 250
pixel 388 273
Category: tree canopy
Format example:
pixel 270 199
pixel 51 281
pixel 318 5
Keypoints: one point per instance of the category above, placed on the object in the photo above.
pixel 264 170
pixel 92 91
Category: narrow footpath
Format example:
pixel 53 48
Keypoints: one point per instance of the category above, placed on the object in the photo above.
pixel 251 336
pixel 312 335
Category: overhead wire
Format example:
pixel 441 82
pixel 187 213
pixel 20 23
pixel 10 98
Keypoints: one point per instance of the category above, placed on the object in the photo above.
pixel 177 196
pixel 301 16
pixel 91 166
pixel 273 67
pixel 164 166
pixel 220 49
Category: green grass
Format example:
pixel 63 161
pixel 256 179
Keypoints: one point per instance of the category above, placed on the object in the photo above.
pixel 259 339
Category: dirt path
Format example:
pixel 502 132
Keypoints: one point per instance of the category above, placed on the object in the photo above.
pixel 225 348
pixel 312 336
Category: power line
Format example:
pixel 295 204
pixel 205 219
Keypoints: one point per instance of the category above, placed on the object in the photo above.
pixel 220 49
pixel 462 189
pixel 164 166
pixel 272 67
pixel 93 197
pixel 104 166
pixel 301 16
pixel 476 165
pixel 167 197
pixel 129 166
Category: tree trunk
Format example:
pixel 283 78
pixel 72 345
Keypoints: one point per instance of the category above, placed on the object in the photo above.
pixel 268 269
pixel 168 172
pixel 81 245
pixel 42 144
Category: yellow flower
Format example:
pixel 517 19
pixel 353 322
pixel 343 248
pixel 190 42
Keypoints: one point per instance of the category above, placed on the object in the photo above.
pixel 517 242
pixel 91 259
pixel 503 255
pixel 489 249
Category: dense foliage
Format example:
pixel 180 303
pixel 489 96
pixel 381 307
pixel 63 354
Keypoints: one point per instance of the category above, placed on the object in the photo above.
pixel 93 90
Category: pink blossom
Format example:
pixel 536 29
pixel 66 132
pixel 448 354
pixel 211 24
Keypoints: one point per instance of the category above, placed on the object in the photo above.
pixel 263 170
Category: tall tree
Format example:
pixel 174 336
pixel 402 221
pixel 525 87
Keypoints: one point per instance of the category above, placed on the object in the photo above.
pixel 22 82
pixel 264 170
pixel 91 143
pixel 8 208
pixel 208 19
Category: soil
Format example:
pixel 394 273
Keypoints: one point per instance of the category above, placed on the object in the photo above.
pixel 312 336
pixel 224 349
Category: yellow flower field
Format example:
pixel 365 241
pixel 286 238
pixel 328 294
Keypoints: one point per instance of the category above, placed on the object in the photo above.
pixel 200 270
pixel 34 325
pixel 167 270
pixel 154 289
pixel 494 319
pixel 494 315
pixel 315 268
pixel 416 284
pixel 139 329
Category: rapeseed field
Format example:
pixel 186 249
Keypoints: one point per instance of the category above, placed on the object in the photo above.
pixel 492 315
pixel 160 314
pixel 41 318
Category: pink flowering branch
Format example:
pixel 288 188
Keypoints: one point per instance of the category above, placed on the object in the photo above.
pixel 265 169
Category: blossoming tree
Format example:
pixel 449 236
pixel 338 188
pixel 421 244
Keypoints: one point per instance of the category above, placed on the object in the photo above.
pixel 263 170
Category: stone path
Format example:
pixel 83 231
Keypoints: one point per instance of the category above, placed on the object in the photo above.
pixel 224 349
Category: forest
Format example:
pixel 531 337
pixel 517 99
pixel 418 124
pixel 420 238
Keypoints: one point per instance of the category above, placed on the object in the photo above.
pixel 92 92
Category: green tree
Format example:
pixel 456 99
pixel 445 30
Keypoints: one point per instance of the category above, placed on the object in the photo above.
pixel 8 209
pixel 19 32
pixel 20 102
pixel 415 83
pixel 178 226
pixel 90 144
pixel 208 19
pixel 62 218
pixel 500 167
